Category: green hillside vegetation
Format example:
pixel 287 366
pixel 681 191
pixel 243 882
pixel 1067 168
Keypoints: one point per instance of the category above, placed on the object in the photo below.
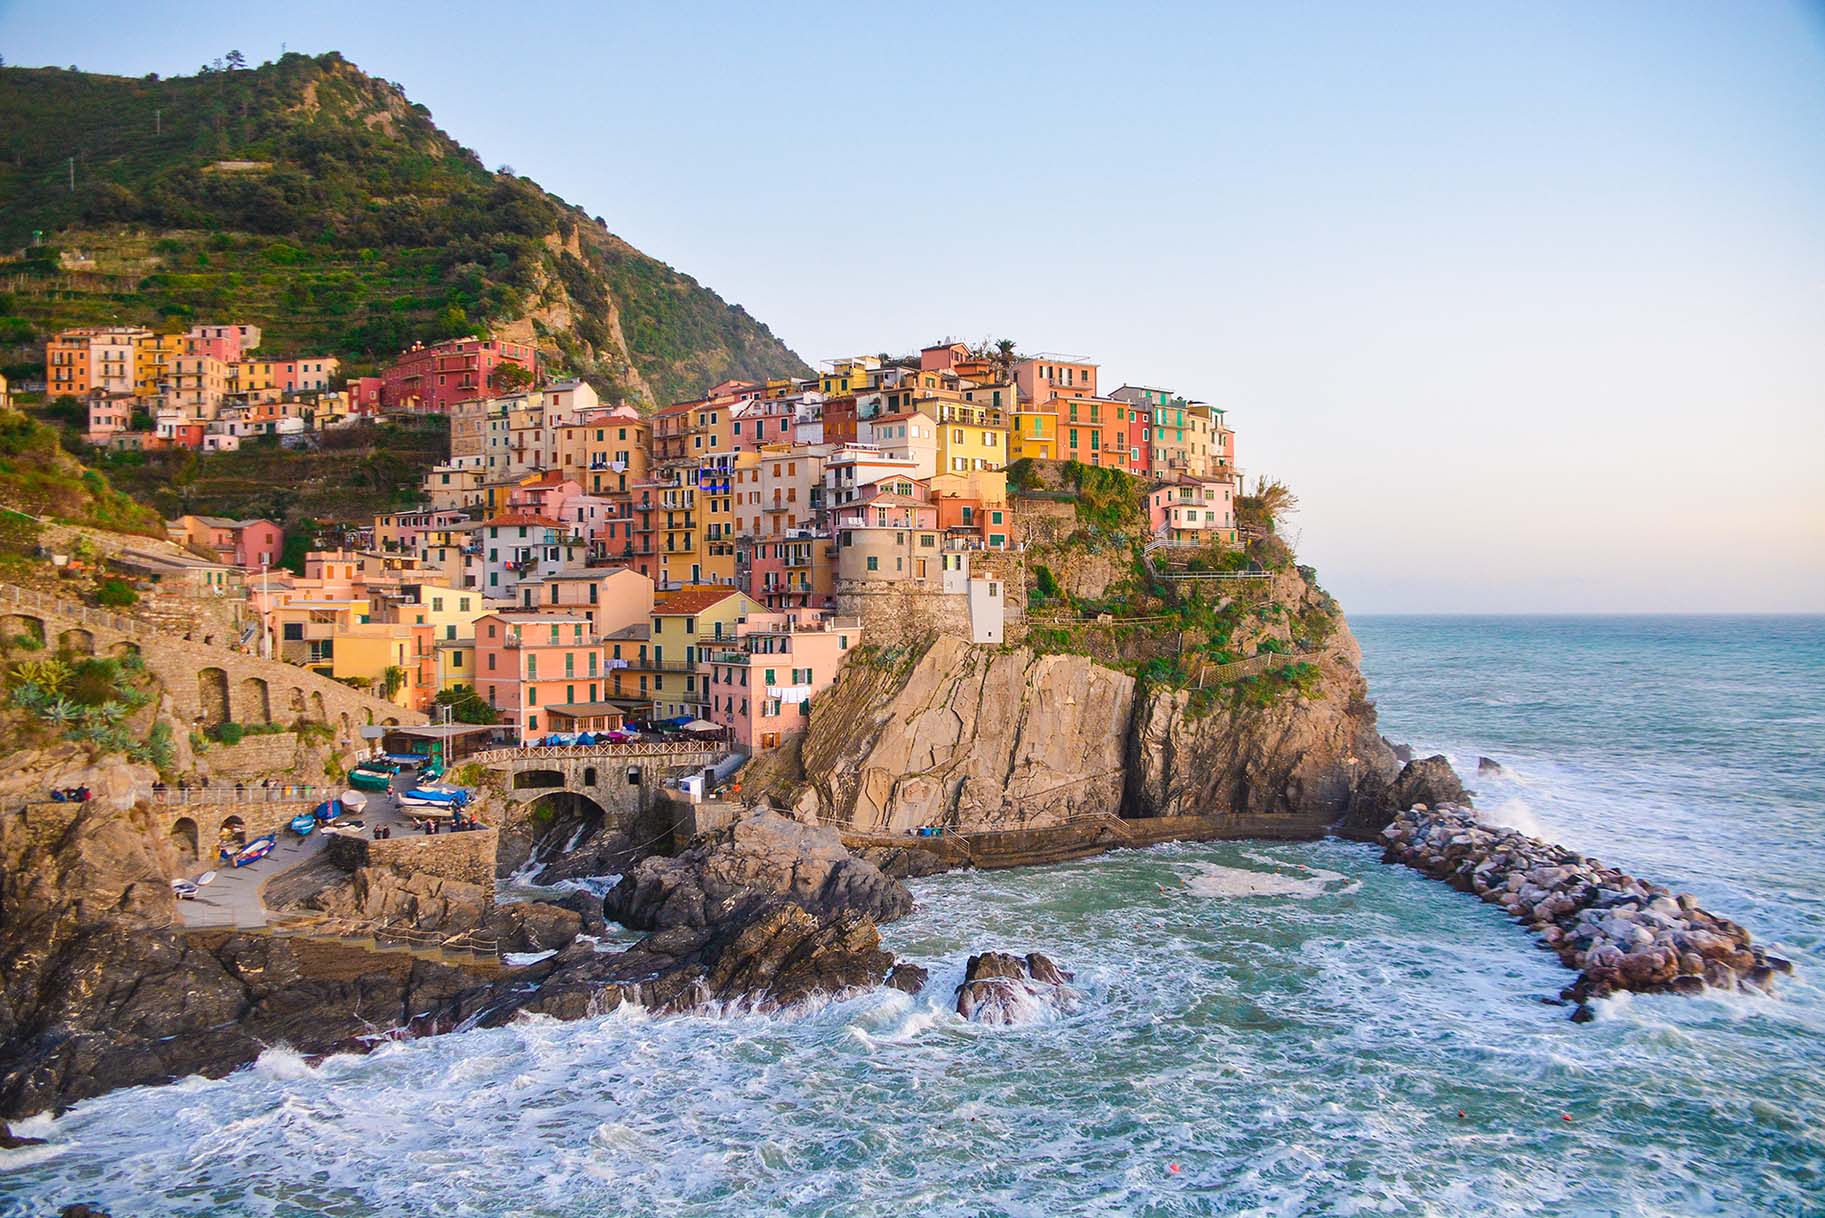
pixel 321 204
pixel 39 478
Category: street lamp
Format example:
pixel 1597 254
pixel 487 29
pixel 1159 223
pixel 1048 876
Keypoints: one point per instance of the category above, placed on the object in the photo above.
pixel 265 609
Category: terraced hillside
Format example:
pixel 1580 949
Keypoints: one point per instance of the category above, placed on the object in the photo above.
pixel 324 205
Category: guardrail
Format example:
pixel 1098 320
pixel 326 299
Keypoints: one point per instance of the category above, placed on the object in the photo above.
pixel 638 748
pixel 299 793
pixel 27 598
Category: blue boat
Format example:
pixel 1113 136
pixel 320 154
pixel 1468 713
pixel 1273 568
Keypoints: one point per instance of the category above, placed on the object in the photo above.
pixel 304 825
pixel 329 809
pixel 255 850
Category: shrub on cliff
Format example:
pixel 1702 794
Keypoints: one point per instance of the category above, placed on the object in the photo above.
pixel 115 594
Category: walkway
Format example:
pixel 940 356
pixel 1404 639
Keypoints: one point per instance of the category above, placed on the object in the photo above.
pixel 236 898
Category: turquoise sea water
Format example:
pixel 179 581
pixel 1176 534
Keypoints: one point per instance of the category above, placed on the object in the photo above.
pixel 1295 1027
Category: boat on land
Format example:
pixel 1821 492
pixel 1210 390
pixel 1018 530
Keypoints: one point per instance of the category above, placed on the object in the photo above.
pixel 444 799
pixel 303 825
pixel 353 802
pixel 370 780
pixel 255 850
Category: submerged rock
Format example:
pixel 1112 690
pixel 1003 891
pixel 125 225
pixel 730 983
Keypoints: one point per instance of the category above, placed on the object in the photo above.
pixel 1489 765
pixel 907 978
pixel 999 988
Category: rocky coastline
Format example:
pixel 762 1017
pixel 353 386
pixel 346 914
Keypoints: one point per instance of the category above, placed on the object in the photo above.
pixel 1617 932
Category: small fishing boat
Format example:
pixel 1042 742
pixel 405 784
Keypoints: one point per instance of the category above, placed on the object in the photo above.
pixel 329 809
pixel 255 850
pixel 370 780
pixel 429 775
pixel 303 825
pixel 446 799
pixel 353 802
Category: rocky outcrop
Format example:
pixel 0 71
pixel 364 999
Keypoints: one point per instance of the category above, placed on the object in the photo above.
pixel 765 956
pixel 999 988
pixel 762 857
pixel 979 739
pixel 1617 932
pixel 977 736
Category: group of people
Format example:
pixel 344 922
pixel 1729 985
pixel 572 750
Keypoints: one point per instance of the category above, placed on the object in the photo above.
pixel 70 795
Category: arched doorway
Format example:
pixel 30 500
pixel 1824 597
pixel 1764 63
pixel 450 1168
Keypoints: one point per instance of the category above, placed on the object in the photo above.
pixel 566 832
pixel 232 835
pixel 22 626
pixel 318 714
pixel 123 649
pixel 532 780
pixel 212 695
pixel 76 641
pixel 184 839
pixel 256 706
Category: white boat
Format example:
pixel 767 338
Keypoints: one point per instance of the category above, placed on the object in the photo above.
pixel 352 801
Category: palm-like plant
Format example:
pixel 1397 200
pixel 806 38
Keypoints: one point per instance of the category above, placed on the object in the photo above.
pixel 61 710
pixel 29 695
pixel 49 675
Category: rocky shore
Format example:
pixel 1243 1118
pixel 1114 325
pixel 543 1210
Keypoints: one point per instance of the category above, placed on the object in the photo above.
pixel 1616 931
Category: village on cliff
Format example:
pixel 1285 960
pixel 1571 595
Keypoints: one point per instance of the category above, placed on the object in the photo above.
pixel 578 567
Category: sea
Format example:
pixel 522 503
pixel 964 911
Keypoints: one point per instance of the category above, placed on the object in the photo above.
pixel 1257 1028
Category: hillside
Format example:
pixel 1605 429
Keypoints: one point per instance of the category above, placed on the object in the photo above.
pixel 39 478
pixel 323 205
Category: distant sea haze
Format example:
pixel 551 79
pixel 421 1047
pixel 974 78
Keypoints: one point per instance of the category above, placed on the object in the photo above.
pixel 1287 1028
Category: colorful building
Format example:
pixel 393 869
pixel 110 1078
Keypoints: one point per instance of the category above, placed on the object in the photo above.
pixel 762 684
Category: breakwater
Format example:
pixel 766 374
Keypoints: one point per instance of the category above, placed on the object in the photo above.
pixel 1616 931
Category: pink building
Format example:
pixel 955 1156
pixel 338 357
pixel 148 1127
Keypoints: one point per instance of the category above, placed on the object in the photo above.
pixel 543 671
pixel 429 380
pixel 364 393
pixel 1193 510
pixel 309 374
pixel 226 343
pixel 241 543
pixel 761 688
pixel 762 421
pixel 108 416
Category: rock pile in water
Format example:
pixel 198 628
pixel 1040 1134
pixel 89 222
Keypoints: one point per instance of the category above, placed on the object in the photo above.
pixel 999 988
pixel 1618 932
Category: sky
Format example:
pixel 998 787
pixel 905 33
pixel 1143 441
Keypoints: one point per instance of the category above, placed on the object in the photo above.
pixel 1526 302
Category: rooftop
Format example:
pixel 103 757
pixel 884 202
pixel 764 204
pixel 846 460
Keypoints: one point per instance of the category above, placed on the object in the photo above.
pixel 693 601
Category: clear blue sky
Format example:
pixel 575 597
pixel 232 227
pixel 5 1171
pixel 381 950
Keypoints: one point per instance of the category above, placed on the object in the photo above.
pixel 1527 301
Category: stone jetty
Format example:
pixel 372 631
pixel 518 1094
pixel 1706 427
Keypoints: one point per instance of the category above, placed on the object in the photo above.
pixel 1617 932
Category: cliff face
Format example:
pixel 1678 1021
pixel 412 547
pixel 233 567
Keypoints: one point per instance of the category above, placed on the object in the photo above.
pixel 1311 758
pixel 982 738
pixel 979 737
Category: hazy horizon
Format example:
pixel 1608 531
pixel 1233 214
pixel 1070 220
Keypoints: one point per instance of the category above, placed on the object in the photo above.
pixel 1525 305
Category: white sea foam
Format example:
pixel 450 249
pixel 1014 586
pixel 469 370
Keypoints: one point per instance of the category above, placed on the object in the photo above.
pixel 1215 880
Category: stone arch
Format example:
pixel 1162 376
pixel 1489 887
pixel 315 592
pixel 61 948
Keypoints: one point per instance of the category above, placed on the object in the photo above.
pixel 256 701
pixel 123 649
pixel 563 820
pixel 318 714
pixel 532 780
pixel 348 728
pixel 212 695
pixel 76 640
pixel 232 833
pixel 184 838
pixel 389 722
pixel 297 702
pixel 16 624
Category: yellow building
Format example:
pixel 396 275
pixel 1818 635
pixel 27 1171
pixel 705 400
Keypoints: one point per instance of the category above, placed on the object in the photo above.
pixel 155 362
pixel 684 626
pixel 1034 435
pixel 450 612
pixel 969 436
pixel 710 429
pixel 847 376
pixel 716 491
pixel 253 376
pixel 455 665
pixel 381 652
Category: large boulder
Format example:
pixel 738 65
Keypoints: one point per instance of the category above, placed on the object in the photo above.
pixel 764 856
pixel 1430 781
pixel 999 988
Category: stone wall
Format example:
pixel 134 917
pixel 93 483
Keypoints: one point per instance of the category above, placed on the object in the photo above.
pixel 896 614
pixel 467 857
pixel 254 757
pixel 205 684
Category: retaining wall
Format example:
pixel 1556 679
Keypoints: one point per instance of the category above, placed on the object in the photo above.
pixel 467 857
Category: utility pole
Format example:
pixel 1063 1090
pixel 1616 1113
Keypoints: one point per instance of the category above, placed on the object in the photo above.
pixel 158 122
pixel 72 175
pixel 265 609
